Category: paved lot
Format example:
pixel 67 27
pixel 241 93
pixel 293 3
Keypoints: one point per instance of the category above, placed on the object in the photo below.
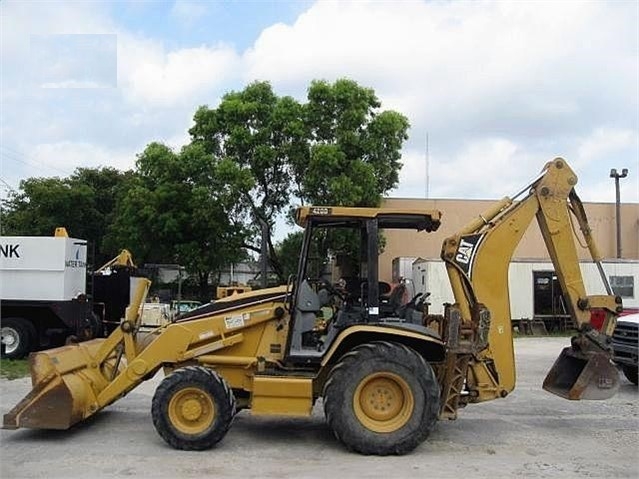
pixel 530 434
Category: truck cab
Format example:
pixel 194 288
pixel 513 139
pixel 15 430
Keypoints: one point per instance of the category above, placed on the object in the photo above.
pixel 625 346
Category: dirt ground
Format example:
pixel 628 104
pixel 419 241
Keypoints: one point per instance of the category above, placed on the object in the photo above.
pixel 530 434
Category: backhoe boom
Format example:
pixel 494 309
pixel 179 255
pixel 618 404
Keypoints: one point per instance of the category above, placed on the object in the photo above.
pixel 477 260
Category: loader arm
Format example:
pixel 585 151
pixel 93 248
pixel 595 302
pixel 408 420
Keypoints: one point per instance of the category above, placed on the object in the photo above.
pixel 78 380
pixel 477 260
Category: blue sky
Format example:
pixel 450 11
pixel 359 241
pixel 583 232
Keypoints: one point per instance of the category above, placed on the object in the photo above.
pixel 499 87
pixel 183 24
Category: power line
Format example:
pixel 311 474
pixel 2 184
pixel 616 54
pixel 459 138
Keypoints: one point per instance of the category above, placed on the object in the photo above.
pixel 16 156
pixel 8 186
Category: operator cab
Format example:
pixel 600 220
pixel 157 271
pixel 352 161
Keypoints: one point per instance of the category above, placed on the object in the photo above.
pixel 337 285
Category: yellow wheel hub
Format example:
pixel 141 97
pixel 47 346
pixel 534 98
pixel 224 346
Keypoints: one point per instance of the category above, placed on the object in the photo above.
pixel 383 402
pixel 191 410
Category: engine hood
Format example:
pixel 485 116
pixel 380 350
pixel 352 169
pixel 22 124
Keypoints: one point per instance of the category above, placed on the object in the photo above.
pixel 235 301
pixel 629 318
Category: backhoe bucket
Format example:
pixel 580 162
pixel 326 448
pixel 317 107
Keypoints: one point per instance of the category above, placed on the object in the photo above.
pixel 65 383
pixel 582 375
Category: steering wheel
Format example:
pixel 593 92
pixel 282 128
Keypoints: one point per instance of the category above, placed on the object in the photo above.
pixel 413 301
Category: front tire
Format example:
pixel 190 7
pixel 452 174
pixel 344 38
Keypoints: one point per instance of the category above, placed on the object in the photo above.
pixel 193 408
pixel 381 398
pixel 17 337
pixel 631 373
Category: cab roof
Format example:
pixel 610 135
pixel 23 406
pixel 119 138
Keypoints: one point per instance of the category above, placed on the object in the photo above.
pixel 390 218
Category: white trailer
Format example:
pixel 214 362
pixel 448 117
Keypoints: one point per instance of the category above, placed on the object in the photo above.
pixel 533 288
pixel 43 293
pixel 402 267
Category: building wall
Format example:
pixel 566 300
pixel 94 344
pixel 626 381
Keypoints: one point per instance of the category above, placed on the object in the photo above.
pixel 456 213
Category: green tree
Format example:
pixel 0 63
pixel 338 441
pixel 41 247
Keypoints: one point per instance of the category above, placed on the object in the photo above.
pixel 337 148
pixel 354 149
pixel 289 252
pixel 179 209
pixel 83 203
pixel 260 135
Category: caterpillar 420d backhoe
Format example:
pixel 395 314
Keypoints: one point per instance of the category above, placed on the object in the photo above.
pixel 385 377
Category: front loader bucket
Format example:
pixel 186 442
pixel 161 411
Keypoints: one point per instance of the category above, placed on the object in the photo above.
pixel 75 381
pixel 582 375
pixel 66 383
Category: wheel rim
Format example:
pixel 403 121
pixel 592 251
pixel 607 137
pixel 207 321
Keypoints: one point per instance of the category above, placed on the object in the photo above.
pixel 10 339
pixel 383 402
pixel 191 410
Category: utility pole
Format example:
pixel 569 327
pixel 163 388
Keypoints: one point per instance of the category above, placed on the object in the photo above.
pixel 614 174
pixel 427 168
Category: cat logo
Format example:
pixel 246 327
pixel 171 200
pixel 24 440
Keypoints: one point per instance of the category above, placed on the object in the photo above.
pixel 464 252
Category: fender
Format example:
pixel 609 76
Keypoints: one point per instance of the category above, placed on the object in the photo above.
pixel 419 338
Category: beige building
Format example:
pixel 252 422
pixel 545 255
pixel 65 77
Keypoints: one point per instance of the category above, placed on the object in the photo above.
pixel 456 213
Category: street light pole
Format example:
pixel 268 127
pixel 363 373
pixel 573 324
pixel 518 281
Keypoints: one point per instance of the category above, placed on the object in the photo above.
pixel 614 174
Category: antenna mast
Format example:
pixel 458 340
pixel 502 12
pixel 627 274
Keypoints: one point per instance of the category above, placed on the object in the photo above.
pixel 427 168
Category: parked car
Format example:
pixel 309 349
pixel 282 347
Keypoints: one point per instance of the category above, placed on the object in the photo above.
pixel 625 344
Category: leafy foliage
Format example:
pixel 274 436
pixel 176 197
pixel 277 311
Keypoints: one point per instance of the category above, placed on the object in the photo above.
pixel 354 150
pixel 178 210
pixel 83 203
pixel 336 149
pixel 251 158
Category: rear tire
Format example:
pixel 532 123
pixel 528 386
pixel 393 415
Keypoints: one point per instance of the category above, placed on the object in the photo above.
pixel 193 408
pixel 18 337
pixel 631 372
pixel 381 398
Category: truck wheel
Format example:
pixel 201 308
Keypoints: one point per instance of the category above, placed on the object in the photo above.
pixel 631 372
pixel 381 398
pixel 18 336
pixel 193 408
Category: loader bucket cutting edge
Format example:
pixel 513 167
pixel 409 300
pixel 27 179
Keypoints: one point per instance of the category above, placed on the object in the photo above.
pixel 578 375
pixel 64 389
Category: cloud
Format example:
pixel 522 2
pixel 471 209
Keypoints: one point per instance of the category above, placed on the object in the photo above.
pixel 605 142
pixel 492 83
pixel 61 114
pixel 500 88
pixel 486 168
pixel 187 12
pixel 176 77
pixel 66 156
pixel 74 61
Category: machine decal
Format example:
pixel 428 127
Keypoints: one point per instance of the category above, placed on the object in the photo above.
pixel 238 321
pixel 321 211
pixel 466 250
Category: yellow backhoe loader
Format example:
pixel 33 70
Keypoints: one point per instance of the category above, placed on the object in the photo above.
pixel 384 375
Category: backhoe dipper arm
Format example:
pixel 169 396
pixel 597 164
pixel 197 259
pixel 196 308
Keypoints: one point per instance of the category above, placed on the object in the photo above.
pixel 124 258
pixel 477 260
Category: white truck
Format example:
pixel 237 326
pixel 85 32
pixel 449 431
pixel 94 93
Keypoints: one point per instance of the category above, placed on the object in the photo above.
pixel 43 298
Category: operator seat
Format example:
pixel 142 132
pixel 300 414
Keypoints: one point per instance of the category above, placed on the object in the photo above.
pixel 392 306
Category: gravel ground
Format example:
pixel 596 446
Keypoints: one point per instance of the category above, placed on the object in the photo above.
pixel 530 434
